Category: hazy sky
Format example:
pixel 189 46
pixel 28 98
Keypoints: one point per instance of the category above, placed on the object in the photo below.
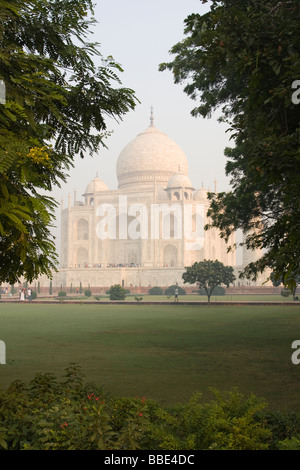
pixel 139 35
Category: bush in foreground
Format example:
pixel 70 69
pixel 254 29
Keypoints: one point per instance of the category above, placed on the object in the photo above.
pixel 62 293
pixel 155 290
pixel 171 290
pixel 70 415
pixel 117 292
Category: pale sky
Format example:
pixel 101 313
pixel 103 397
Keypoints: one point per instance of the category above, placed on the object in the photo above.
pixel 139 35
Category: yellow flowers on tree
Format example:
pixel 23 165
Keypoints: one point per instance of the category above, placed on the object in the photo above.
pixel 53 109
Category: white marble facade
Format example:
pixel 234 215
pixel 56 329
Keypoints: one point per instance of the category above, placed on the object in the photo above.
pixel 146 231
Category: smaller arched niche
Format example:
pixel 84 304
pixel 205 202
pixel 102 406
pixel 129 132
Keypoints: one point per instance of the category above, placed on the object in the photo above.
pixel 82 229
pixel 170 256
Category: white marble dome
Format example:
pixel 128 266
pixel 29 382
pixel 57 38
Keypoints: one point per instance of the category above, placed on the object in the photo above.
pixel 95 186
pixel 200 195
pixel 151 157
pixel 179 181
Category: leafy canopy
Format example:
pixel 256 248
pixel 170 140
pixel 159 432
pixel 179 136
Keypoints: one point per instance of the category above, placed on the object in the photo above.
pixel 208 275
pixel 57 103
pixel 243 57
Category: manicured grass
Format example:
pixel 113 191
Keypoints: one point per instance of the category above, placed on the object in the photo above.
pixel 161 352
pixel 170 299
pixel 214 298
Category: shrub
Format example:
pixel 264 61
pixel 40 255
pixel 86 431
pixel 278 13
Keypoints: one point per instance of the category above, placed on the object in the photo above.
pixel 219 290
pixel 155 290
pixel 71 415
pixel 33 294
pixel 283 426
pixel 68 414
pixel 171 290
pixel 117 292
pixel 285 293
pixel 226 423
pixel 87 293
pixel 290 444
pixel 62 293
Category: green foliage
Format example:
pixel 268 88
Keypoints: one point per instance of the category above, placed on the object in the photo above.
pixel 284 427
pixel 242 58
pixel 33 295
pixel 155 290
pixel 69 414
pixel 226 423
pixel 57 101
pixel 209 275
pixel 218 290
pixel 290 444
pixel 87 293
pixel 117 292
pixel 292 281
pixel 62 293
pixel 171 290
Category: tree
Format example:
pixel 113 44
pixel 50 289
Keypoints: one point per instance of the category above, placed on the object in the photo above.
pixel 57 101
pixel 277 281
pixel 208 274
pixel 243 57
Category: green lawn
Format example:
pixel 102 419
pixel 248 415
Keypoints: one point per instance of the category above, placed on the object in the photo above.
pixel 214 298
pixel 166 299
pixel 161 352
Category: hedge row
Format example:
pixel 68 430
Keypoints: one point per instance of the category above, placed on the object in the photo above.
pixel 49 414
pixel 219 290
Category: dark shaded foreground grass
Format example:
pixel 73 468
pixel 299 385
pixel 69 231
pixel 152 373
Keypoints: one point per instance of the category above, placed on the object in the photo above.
pixel 165 353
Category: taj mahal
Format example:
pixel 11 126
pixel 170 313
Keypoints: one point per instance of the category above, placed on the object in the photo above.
pixel 145 232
